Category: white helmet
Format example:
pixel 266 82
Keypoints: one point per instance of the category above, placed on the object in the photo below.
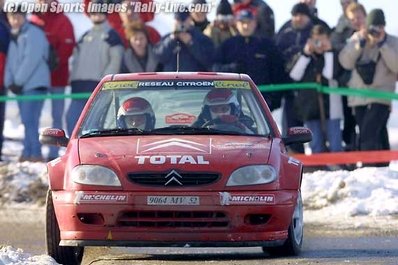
pixel 136 107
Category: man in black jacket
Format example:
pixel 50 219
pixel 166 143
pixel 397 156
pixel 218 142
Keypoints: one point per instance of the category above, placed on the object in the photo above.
pixel 257 57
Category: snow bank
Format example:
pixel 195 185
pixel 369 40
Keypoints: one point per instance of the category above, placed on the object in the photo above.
pixel 365 191
pixel 10 255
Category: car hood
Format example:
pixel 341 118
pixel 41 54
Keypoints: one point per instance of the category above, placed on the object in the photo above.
pixel 155 152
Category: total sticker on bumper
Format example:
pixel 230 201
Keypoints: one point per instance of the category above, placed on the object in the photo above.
pixel 227 198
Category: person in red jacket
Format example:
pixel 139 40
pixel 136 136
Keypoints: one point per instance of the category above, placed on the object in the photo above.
pixel 59 32
pixel 120 21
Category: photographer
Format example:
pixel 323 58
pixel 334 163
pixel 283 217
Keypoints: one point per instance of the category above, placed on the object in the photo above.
pixel 321 113
pixel 372 55
pixel 223 26
pixel 194 48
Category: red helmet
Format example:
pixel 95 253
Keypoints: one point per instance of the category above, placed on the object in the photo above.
pixel 216 100
pixel 136 107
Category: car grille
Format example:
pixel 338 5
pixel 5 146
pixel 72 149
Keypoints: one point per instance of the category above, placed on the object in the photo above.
pixel 161 179
pixel 173 219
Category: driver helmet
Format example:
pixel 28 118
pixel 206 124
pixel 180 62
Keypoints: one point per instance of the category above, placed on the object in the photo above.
pixel 221 102
pixel 136 113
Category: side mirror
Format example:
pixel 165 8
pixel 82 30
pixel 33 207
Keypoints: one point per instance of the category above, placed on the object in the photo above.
pixel 51 136
pixel 297 135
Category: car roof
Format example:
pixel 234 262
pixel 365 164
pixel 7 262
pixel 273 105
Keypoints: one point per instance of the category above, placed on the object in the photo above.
pixel 176 75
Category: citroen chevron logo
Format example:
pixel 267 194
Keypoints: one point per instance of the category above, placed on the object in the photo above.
pixel 173 145
pixel 173 177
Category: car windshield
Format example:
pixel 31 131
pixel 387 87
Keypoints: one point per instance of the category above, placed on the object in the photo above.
pixel 226 107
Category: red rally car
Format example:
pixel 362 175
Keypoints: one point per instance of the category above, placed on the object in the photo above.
pixel 174 159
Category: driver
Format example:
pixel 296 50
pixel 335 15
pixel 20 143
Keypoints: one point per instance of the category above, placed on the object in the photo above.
pixel 220 106
pixel 136 113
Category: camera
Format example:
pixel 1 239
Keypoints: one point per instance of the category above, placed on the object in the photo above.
pixel 374 31
pixel 181 28
pixel 317 43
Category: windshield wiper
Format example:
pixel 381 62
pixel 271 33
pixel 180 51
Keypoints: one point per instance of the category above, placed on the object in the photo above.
pixel 111 132
pixel 184 129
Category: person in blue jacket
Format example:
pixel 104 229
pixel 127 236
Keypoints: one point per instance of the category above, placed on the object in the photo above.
pixel 27 73
pixel 195 49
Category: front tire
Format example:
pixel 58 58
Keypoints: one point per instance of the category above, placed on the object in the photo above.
pixel 63 255
pixel 294 241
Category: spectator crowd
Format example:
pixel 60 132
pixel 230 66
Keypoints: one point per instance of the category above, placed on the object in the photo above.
pixel 39 54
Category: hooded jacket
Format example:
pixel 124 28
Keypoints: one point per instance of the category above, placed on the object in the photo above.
pixel 27 59
pixel 99 52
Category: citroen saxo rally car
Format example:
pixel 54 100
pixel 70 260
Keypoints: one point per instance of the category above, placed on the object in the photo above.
pixel 174 159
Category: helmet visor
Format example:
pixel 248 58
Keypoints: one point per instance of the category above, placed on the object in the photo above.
pixel 136 121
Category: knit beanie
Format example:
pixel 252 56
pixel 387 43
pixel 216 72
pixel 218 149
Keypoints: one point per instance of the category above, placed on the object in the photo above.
pixel 376 18
pixel 224 8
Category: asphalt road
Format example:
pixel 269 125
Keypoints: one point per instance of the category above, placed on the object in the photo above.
pixel 24 228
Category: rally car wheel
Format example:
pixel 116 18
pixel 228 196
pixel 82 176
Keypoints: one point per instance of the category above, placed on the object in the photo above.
pixel 294 241
pixel 63 255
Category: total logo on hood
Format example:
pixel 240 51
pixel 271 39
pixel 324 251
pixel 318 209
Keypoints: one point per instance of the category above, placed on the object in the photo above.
pixel 179 152
pixel 172 159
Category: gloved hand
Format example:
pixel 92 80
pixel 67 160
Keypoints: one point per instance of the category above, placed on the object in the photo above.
pixel 17 90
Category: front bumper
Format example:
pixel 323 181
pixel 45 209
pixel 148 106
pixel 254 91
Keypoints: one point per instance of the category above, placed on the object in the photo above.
pixel 219 219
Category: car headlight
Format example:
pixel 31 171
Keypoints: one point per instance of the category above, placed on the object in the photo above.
pixel 252 175
pixel 95 175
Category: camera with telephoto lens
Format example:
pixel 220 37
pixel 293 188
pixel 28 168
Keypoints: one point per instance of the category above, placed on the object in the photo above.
pixel 374 31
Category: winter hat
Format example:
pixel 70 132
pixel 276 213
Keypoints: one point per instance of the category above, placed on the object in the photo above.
pixel 301 8
pixel 195 2
pixel 224 8
pixel 182 15
pixel 376 18
pixel 245 14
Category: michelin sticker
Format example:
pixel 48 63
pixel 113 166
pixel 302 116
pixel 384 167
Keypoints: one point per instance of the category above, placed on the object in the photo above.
pixel 82 197
pixel 227 198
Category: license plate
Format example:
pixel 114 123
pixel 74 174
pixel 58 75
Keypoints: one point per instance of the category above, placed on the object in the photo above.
pixel 173 200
